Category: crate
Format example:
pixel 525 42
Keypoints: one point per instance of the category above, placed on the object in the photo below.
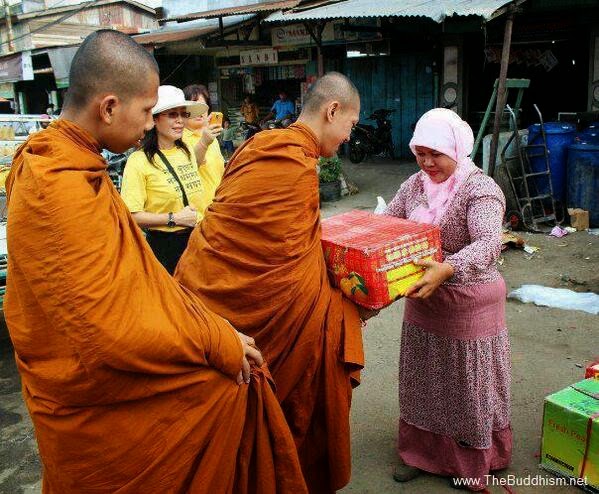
pixel 570 435
pixel 370 257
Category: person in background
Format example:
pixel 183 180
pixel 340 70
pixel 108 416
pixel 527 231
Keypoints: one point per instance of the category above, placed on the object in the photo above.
pixel 228 135
pixel 161 183
pixel 282 110
pixel 249 110
pixel 50 110
pixel 47 118
pixel 454 373
pixel 202 135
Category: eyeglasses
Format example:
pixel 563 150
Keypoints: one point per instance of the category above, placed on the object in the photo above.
pixel 173 115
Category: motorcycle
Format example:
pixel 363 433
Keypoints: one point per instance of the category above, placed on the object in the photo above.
pixel 368 139
pixel 252 129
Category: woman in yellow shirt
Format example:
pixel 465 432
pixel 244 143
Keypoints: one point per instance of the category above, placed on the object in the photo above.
pixel 161 184
pixel 202 135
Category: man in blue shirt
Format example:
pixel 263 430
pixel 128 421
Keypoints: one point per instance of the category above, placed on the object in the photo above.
pixel 282 110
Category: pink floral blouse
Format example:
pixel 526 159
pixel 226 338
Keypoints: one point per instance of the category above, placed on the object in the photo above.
pixel 470 229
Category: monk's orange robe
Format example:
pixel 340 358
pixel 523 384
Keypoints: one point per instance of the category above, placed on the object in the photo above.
pixel 256 259
pixel 128 378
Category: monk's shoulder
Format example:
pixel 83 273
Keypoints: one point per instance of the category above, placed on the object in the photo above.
pixel 283 142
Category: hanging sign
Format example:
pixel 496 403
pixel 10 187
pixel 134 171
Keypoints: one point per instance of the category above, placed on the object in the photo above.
pixel 16 67
pixel 266 56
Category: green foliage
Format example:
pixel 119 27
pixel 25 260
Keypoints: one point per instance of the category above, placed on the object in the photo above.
pixel 330 169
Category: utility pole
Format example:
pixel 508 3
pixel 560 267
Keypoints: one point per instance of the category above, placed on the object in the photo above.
pixel 11 47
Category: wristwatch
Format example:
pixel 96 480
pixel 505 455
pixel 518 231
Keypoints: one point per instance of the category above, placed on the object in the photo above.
pixel 171 221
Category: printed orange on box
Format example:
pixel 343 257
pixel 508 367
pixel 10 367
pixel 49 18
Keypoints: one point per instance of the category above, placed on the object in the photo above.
pixel 370 257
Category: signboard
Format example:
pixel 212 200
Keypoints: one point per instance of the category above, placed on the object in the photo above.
pixel 266 56
pixel 16 67
pixel 293 35
pixel 341 31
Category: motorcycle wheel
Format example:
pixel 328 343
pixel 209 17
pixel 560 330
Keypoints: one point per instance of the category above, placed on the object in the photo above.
pixel 356 154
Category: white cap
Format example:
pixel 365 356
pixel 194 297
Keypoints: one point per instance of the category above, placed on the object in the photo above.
pixel 170 97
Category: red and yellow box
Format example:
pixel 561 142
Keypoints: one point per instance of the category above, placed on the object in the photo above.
pixel 370 257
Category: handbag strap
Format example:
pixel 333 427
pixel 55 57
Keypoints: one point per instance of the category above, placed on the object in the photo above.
pixel 175 176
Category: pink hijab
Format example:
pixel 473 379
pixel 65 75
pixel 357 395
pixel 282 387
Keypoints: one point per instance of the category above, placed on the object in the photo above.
pixel 444 131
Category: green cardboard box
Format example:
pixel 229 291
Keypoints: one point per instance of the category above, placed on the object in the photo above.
pixel 570 443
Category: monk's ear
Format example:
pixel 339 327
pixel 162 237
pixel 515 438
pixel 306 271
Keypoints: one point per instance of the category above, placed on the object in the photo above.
pixel 332 109
pixel 108 105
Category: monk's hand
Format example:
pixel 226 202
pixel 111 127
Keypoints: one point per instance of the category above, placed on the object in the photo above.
pixel 366 314
pixel 436 274
pixel 186 217
pixel 209 133
pixel 251 356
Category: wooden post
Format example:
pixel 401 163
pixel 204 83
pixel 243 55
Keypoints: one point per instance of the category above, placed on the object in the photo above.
pixel 501 92
pixel 320 61
pixel 315 33
pixel 221 28
pixel 10 37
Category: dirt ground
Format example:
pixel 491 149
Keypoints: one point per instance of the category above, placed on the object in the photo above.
pixel 550 348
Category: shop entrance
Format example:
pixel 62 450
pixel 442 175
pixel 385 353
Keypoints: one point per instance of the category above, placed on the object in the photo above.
pixel 402 82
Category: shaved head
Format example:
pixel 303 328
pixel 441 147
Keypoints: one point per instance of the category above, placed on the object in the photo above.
pixel 331 110
pixel 108 62
pixel 331 86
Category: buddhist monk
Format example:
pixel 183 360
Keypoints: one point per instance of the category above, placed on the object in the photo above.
pixel 133 385
pixel 256 259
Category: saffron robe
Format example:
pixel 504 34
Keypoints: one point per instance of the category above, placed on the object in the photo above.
pixel 256 259
pixel 129 379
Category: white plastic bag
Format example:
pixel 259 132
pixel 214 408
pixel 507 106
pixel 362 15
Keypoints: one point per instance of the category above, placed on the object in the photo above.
pixel 381 205
pixel 560 298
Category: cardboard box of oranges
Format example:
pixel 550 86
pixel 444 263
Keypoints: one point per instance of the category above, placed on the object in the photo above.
pixel 370 257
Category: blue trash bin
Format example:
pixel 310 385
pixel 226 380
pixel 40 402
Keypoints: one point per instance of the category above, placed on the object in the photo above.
pixel 583 179
pixel 589 135
pixel 559 136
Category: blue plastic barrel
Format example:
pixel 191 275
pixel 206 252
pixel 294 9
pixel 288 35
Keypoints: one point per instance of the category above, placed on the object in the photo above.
pixel 589 135
pixel 559 136
pixel 583 179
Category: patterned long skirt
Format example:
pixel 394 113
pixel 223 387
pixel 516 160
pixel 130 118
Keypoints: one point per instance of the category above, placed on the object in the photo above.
pixel 454 383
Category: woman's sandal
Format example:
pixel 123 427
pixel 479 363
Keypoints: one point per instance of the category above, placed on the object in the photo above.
pixel 405 473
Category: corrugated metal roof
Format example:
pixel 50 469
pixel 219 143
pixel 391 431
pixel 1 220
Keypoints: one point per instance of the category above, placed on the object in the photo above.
pixel 433 9
pixel 180 32
pixel 90 5
pixel 242 9
pixel 167 35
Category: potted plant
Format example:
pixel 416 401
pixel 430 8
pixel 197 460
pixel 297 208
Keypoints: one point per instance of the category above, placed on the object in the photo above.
pixel 329 177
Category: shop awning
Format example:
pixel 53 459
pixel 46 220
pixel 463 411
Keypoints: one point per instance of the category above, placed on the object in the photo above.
pixel 171 33
pixel 436 10
pixel 240 10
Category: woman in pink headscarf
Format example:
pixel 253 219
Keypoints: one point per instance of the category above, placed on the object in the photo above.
pixel 454 376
